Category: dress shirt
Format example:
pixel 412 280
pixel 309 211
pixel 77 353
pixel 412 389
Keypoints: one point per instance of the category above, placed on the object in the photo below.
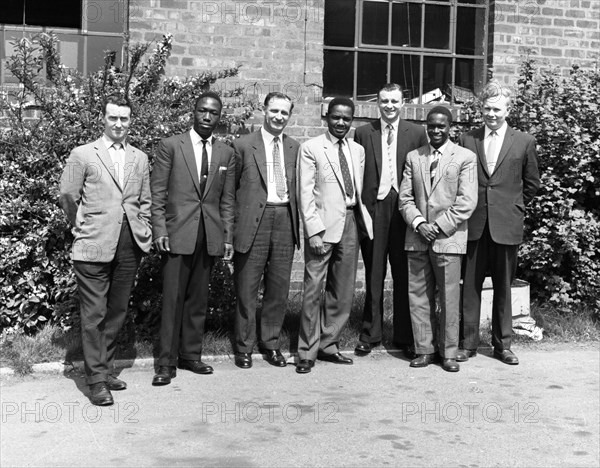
pixel 197 144
pixel 501 132
pixel 117 157
pixel 350 201
pixel 271 185
pixel 389 160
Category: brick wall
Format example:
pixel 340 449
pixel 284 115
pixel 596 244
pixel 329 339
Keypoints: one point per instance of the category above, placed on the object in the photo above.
pixel 559 33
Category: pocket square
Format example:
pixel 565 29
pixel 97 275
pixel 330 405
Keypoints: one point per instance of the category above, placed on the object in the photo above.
pixel 223 168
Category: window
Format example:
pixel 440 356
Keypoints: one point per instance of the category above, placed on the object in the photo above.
pixel 85 28
pixel 435 49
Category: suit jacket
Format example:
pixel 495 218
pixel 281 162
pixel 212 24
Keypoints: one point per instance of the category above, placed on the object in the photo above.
pixel 503 194
pixel 251 187
pixel 321 193
pixel 449 201
pixel 94 201
pixel 410 137
pixel 176 200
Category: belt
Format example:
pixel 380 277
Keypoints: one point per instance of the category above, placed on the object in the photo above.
pixel 277 205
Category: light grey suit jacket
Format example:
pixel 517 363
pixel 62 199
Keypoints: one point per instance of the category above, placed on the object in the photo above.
pixel 321 194
pixel 94 201
pixel 449 201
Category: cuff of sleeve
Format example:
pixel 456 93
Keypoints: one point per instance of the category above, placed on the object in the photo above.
pixel 418 220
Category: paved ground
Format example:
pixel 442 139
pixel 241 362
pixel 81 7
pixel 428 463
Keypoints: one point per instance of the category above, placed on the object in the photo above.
pixel 379 412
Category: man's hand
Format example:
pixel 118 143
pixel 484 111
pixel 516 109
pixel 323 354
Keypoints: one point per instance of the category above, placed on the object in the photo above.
pixel 316 244
pixel 228 252
pixel 428 231
pixel 161 244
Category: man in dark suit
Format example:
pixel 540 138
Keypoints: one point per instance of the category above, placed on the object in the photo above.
pixel 105 192
pixel 193 190
pixel 387 142
pixel 437 195
pixel 330 173
pixel 265 231
pixel 508 180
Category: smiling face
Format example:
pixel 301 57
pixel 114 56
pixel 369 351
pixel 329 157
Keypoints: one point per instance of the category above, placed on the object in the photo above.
pixel 116 120
pixel 390 103
pixel 495 110
pixel 438 129
pixel 339 120
pixel 277 114
pixel 206 116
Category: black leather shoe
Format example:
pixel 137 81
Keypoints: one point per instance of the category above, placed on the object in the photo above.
pixel 336 358
pixel 164 375
pixel 506 356
pixel 463 355
pixel 243 360
pixel 450 365
pixel 100 394
pixel 304 366
pixel 114 383
pixel 197 367
pixel 362 348
pixel 274 357
pixel 423 360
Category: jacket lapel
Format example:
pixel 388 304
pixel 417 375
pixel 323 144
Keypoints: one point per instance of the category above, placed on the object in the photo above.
pixel 424 168
pixel 479 148
pixel 444 161
pixel 376 146
pixel 289 158
pixel 331 153
pixel 104 157
pixel 187 149
pixel 130 167
pixel 506 144
pixel 260 156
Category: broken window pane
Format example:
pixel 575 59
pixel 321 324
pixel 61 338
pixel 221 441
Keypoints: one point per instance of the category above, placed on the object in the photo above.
pixel 437 75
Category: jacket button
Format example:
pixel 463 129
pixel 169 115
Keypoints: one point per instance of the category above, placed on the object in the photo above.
pixel 260 205
pixel 196 218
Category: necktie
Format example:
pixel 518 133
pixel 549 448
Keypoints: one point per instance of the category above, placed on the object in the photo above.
pixel 119 163
pixel 434 165
pixel 390 135
pixel 390 140
pixel 490 155
pixel 345 171
pixel 277 172
pixel 203 167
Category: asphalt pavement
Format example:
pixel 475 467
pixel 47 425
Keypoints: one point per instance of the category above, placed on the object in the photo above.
pixel 378 412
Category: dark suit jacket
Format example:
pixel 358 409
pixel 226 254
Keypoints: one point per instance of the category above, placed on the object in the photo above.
pixel 502 196
pixel 410 137
pixel 251 187
pixel 176 199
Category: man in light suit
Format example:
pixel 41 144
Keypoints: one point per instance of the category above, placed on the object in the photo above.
pixel 105 193
pixel 387 142
pixel 330 171
pixel 265 231
pixel 437 195
pixel 508 180
pixel 193 190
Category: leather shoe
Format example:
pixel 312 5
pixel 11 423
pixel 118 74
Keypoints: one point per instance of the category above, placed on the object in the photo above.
pixel 164 375
pixel 114 383
pixel 336 358
pixel 362 348
pixel 243 360
pixel 100 394
pixel 274 357
pixel 304 366
pixel 506 356
pixel 450 365
pixel 422 360
pixel 463 355
pixel 197 367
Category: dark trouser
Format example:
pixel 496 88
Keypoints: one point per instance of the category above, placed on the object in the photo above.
pixel 271 255
pixel 501 260
pixel 429 271
pixel 321 323
pixel 389 231
pixel 185 299
pixel 104 290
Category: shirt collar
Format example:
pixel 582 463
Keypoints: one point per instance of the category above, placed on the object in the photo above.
pixel 269 137
pixel 501 131
pixel 394 124
pixel 441 149
pixel 109 141
pixel 334 139
pixel 197 139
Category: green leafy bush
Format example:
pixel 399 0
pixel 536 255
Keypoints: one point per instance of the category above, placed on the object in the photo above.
pixel 53 110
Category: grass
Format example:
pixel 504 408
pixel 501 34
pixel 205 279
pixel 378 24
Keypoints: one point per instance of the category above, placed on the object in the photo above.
pixel 51 344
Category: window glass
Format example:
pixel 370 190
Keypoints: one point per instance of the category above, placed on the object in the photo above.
pixel 437 26
pixel 96 49
pixel 406 71
pixel 11 12
pixel 406 24
pixel 55 13
pixel 470 31
pixel 339 23
pixel 338 73
pixel 437 76
pixel 375 23
pixel 372 75
pixel 105 15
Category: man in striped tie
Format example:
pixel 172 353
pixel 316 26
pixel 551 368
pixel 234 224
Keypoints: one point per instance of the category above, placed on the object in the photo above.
pixel 438 193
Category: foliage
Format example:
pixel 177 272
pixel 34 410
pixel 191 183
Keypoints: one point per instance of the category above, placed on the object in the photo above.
pixel 53 110
pixel 560 255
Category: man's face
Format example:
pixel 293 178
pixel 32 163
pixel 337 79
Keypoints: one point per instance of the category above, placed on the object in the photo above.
pixel 206 116
pixel 390 103
pixel 277 114
pixel 438 129
pixel 339 120
pixel 495 110
pixel 116 121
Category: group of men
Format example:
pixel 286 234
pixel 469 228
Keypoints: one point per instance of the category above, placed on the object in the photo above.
pixel 396 192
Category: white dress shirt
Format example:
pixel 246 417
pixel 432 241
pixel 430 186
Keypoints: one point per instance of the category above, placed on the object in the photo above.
pixel 272 196
pixel 197 144
pixel 492 159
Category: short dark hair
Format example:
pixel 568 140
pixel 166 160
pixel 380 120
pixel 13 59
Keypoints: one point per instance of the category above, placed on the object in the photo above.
pixel 390 87
pixel 209 94
pixel 340 101
pixel 277 95
pixel 441 110
pixel 117 100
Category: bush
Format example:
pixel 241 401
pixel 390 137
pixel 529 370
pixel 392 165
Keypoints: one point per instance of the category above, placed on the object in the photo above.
pixel 37 280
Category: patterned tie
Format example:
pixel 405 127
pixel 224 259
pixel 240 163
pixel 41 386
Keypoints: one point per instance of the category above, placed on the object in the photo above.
pixel 390 136
pixel 345 171
pixel 119 163
pixel 434 165
pixel 203 167
pixel 490 155
pixel 277 172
